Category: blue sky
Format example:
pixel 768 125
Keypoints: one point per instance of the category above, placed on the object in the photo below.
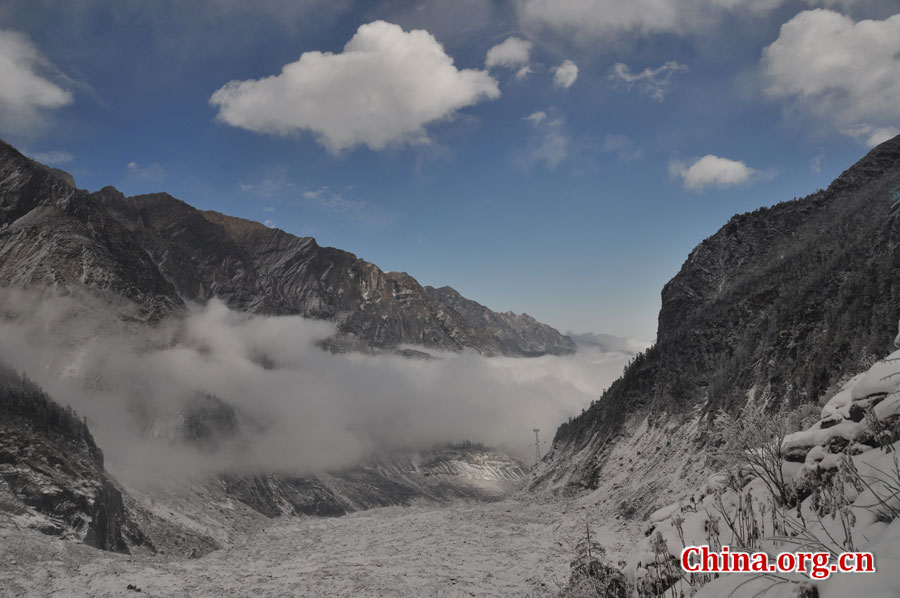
pixel 568 176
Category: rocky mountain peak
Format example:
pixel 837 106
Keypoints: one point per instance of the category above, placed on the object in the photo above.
pixel 160 253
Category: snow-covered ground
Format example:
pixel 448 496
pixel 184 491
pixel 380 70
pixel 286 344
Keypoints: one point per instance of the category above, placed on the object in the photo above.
pixel 507 548
pixel 846 471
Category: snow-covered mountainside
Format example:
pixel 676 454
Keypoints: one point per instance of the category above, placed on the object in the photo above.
pixel 439 475
pixel 518 334
pixel 159 252
pixel 774 308
pixel 52 477
pixel 842 482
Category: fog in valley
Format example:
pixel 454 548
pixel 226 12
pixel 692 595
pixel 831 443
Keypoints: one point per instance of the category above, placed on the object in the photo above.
pixel 300 409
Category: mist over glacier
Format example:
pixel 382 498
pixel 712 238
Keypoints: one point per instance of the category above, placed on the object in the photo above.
pixel 303 410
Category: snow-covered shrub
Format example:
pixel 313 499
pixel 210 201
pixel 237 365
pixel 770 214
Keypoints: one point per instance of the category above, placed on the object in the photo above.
pixel 831 485
pixel 752 441
pixel 592 575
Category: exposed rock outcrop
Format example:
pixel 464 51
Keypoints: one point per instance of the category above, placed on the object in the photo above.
pixel 51 467
pixel 160 252
pixel 434 476
pixel 775 306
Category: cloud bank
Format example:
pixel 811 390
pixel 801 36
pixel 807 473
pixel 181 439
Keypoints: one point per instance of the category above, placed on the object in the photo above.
pixel 844 74
pixel 383 89
pixel 304 410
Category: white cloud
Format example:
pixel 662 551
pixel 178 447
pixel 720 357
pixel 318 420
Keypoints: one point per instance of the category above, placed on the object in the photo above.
pixel 550 143
pixel 268 209
pixel 523 72
pixel 565 75
pixel 869 134
pixel 151 172
pixel 711 171
pixel 512 53
pixel 882 134
pixel 604 21
pixel 382 89
pixel 310 410
pixel 839 72
pixel 590 21
pixel 445 20
pixel 26 94
pixel 652 82
pixel 624 148
pixel 54 157
pixel 269 223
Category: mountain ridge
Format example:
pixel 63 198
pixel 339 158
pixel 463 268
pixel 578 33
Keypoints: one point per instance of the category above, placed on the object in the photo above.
pixel 774 307
pixel 159 252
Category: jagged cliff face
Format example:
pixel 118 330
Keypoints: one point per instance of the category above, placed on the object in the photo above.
pixel 774 307
pixel 52 471
pixel 159 252
pixel 513 334
pixel 53 234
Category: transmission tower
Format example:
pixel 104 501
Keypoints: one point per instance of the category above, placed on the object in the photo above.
pixel 537 446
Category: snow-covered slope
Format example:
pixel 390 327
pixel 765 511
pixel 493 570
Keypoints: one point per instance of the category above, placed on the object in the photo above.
pixel 486 550
pixel 774 307
pixel 844 472
pixel 434 476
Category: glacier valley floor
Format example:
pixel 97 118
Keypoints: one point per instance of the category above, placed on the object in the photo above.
pixel 507 548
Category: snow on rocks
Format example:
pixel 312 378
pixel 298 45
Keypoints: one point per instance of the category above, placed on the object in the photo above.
pixel 844 422
pixel 881 378
pixel 840 403
pixel 501 549
pixel 846 473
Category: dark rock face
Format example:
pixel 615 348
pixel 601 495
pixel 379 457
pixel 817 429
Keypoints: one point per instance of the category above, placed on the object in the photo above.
pixel 159 252
pixel 207 422
pixel 50 464
pixel 514 334
pixel 274 495
pixel 781 302
pixel 107 520
pixel 437 475
pixel 52 234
